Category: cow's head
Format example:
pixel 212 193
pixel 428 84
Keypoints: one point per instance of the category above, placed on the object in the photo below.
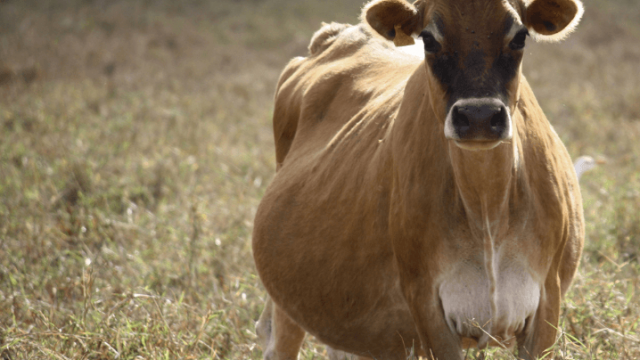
pixel 473 55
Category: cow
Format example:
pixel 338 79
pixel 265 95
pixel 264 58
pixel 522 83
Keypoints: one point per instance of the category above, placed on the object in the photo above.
pixel 420 204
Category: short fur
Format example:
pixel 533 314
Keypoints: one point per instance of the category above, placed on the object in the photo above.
pixel 324 37
pixel 379 235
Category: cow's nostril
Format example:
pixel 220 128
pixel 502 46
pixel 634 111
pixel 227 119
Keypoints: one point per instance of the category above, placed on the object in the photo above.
pixel 498 121
pixel 460 120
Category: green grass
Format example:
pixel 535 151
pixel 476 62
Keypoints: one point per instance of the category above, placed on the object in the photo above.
pixel 135 145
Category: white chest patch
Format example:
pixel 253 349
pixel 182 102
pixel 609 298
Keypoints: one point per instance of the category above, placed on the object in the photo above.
pixel 466 300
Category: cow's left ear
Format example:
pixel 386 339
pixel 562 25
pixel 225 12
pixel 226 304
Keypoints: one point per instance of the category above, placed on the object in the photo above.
pixel 553 20
pixel 388 17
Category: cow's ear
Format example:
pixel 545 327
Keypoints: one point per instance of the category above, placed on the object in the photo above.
pixel 387 17
pixel 553 20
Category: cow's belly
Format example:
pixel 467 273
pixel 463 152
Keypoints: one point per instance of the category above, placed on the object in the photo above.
pixel 466 301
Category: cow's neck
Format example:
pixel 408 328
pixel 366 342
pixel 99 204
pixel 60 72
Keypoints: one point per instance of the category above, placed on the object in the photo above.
pixel 484 179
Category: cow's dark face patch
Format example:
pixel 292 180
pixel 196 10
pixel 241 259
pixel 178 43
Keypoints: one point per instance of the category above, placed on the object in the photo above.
pixel 471 58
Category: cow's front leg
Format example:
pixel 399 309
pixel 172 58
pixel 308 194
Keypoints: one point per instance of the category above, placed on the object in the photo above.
pixel 545 324
pixel 421 294
pixel 438 342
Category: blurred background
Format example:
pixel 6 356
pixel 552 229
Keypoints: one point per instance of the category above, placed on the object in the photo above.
pixel 136 143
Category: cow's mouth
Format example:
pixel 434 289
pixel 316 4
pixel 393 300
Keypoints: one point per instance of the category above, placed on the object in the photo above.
pixel 477 145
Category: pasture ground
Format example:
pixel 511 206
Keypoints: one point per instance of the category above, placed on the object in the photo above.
pixel 135 145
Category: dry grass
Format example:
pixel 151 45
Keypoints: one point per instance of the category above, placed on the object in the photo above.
pixel 135 144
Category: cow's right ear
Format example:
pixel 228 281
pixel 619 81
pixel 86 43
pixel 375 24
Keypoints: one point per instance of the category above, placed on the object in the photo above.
pixel 389 16
pixel 553 20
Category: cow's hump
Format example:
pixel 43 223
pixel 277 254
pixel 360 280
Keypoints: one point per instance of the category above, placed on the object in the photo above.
pixel 324 37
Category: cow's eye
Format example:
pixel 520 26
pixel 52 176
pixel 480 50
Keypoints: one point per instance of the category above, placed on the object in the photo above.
pixel 431 45
pixel 518 41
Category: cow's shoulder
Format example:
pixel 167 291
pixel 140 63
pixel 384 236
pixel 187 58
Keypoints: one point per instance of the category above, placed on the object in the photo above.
pixel 549 166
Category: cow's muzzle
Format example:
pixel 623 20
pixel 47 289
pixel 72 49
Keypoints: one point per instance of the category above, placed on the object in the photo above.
pixel 478 124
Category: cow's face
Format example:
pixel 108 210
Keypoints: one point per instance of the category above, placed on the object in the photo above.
pixel 473 56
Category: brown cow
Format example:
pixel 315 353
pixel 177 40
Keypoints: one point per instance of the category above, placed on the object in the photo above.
pixel 419 203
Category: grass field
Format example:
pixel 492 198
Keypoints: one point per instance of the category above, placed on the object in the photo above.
pixel 135 145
